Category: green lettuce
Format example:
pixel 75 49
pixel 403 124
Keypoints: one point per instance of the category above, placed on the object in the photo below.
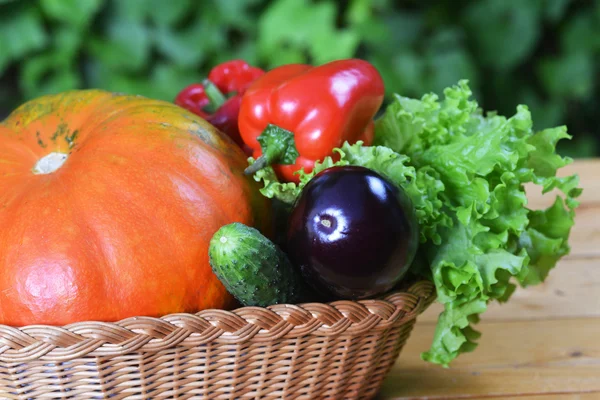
pixel 466 174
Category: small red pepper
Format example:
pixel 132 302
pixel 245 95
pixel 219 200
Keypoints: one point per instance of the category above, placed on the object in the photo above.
pixel 234 76
pixel 297 114
pixel 193 98
pixel 208 101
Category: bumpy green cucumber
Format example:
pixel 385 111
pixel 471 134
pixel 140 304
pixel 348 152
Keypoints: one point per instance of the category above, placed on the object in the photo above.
pixel 253 269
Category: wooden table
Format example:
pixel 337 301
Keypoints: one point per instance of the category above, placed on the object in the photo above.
pixel 544 344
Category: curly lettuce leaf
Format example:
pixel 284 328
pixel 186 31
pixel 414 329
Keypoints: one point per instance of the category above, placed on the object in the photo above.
pixel 286 192
pixel 483 161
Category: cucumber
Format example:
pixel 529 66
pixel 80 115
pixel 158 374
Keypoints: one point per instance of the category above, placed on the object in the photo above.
pixel 253 269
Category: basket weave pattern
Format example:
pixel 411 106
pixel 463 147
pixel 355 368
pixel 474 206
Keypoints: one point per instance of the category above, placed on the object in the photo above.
pixel 342 349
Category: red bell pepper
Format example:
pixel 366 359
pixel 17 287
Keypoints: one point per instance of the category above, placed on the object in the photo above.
pixel 297 114
pixel 208 101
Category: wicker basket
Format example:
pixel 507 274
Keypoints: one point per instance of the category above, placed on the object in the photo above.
pixel 339 350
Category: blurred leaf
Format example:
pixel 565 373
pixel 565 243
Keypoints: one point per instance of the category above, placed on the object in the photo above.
pixel 209 33
pixel 47 73
pixel 235 12
pixel 126 46
pixel 408 68
pixel 245 50
pixel 545 113
pixel 67 40
pixel 363 18
pixel 166 13
pixel 290 23
pixel 504 31
pixel 169 80
pixel 582 33
pixel 448 62
pixel 185 48
pixel 133 38
pixel 132 10
pixel 584 146
pixel 359 12
pixel 55 69
pixel 571 75
pixel 189 46
pixel 334 47
pixel 555 9
pixel 60 81
pixel 74 12
pixel 405 28
pixel 289 55
pixel 21 32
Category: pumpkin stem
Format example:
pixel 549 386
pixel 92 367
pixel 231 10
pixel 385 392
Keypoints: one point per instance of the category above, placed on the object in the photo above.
pixel 49 163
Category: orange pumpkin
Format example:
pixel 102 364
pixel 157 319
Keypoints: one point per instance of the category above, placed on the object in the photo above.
pixel 107 206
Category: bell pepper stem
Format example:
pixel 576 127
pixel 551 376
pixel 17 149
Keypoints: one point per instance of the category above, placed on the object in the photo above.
pixel 261 162
pixel 215 97
pixel 278 146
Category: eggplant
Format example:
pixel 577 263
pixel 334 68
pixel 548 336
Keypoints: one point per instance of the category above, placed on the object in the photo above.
pixel 352 233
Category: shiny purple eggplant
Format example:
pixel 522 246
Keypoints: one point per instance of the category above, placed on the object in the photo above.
pixel 352 233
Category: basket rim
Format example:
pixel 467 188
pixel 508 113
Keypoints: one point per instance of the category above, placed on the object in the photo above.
pixel 255 324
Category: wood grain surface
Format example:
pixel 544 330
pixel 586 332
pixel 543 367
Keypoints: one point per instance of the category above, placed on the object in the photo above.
pixel 544 344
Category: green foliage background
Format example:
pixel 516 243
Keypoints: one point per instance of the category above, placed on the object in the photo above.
pixel 544 53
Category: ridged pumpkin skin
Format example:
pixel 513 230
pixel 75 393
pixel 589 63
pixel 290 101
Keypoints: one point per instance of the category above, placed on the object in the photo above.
pixel 122 228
